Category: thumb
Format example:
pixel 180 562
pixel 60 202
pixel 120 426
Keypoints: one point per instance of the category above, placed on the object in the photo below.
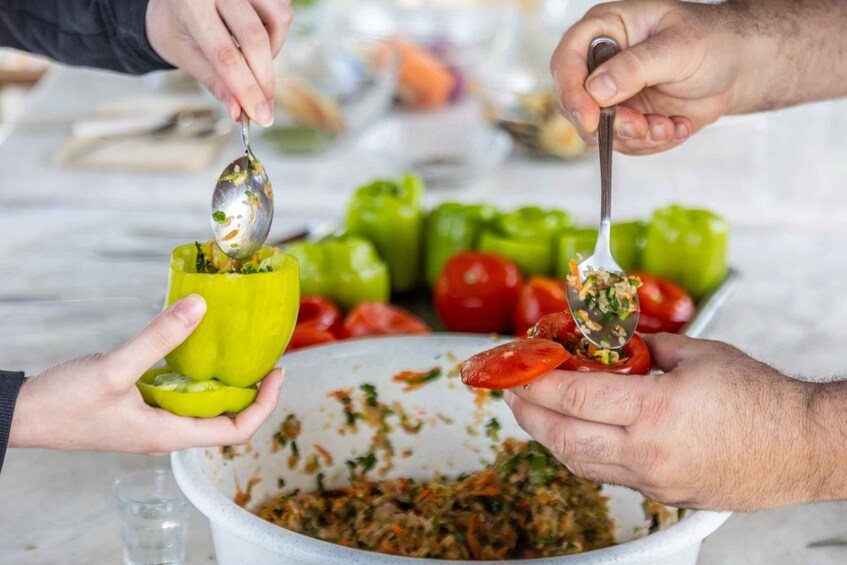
pixel 161 336
pixel 668 350
pixel 653 61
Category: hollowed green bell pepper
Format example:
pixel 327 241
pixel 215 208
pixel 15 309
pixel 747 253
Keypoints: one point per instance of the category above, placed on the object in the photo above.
pixel 182 396
pixel 452 228
pixel 249 317
pixel 527 236
pixel 627 245
pixel 390 214
pixel 688 246
pixel 346 270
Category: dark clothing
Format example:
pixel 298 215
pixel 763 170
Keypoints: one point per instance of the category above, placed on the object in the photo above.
pixel 106 34
pixel 10 384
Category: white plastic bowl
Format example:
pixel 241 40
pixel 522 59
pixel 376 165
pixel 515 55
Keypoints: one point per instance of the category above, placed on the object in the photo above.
pixel 211 482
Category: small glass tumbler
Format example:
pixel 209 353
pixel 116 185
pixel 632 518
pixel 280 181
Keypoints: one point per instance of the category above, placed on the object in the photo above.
pixel 154 518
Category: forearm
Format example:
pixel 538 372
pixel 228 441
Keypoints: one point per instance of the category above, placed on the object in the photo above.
pixel 106 34
pixel 791 52
pixel 827 440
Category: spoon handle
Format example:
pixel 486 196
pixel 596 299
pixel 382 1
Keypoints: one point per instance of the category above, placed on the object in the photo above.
pixel 245 134
pixel 601 50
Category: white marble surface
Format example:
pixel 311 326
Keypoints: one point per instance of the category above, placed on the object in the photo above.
pixel 778 177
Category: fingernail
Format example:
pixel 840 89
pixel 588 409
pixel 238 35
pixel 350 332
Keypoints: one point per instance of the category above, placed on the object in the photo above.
pixel 189 310
pixel 281 380
pixel 658 133
pixel 628 131
pixel 602 87
pixel 577 118
pixel 509 397
pixel 264 115
pixel 681 131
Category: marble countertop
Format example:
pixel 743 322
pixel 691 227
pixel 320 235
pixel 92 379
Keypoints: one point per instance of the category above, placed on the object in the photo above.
pixel 779 177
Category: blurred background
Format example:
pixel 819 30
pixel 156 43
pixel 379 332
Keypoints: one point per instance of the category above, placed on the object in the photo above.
pixel 106 174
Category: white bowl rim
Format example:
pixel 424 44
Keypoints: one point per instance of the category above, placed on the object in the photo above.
pixel 200 490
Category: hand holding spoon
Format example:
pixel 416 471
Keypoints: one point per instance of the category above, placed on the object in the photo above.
pixel 242 204
pixel 604 330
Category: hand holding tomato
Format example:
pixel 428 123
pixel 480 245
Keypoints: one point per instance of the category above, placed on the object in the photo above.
pixel 477 292
pixel 717 430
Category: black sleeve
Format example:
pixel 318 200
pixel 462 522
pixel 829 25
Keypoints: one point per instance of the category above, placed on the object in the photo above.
pixel 10 384
pixel 106 34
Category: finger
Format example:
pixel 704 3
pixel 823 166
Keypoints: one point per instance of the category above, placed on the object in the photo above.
pixel 183 432
pixel 200 68
pixel 669 350
pixel 630 124
pixel 654 61
pixel 277 17
pixel 569 67
pixel 247 28
pixel 216 43
pixel 597 397
pixel 662 134
pixel 161 336
pixel 569 439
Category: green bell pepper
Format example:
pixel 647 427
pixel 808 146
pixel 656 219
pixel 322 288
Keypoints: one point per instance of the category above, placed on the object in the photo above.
pixel 688 246
pixel 627 246
pixel 163 388
pixel 452 228
pixel 249 317
pixel 390 214
pixel 346 270
pixel 527 236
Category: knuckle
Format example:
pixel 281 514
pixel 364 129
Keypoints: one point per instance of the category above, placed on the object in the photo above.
pixel 256 36
pixel 561 444
pixel 254 92
pixel 286 15
pixel 161 338
pixel 572 396
pixel 227 55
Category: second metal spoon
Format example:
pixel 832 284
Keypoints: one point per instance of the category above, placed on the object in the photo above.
pixel 601 50
pixel 242 204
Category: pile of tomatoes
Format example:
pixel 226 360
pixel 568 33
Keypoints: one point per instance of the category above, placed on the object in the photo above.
pixel 485 293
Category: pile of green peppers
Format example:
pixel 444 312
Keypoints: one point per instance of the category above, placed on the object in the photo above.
pixel 390 214
pixel 248 322
pixel 688 246
pixel 345 270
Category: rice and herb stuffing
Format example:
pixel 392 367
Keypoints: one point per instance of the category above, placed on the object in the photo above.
pixel 524 505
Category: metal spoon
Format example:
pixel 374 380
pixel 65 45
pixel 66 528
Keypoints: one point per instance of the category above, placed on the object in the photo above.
pixel 243 203
pixel 601 50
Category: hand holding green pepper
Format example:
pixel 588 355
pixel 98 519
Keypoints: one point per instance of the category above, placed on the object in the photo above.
pixel 92 403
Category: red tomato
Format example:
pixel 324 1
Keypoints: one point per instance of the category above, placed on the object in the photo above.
pixel 318 321
pixel 513 364
pixel 665 307
pixel 376 318
pixel 539 297
pixel 477 292
pixel 562 328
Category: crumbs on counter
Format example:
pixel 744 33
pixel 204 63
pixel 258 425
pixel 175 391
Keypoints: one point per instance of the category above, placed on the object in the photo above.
pixel 228 452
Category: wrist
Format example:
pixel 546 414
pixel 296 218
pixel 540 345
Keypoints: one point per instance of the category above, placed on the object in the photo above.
pixel 826 440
